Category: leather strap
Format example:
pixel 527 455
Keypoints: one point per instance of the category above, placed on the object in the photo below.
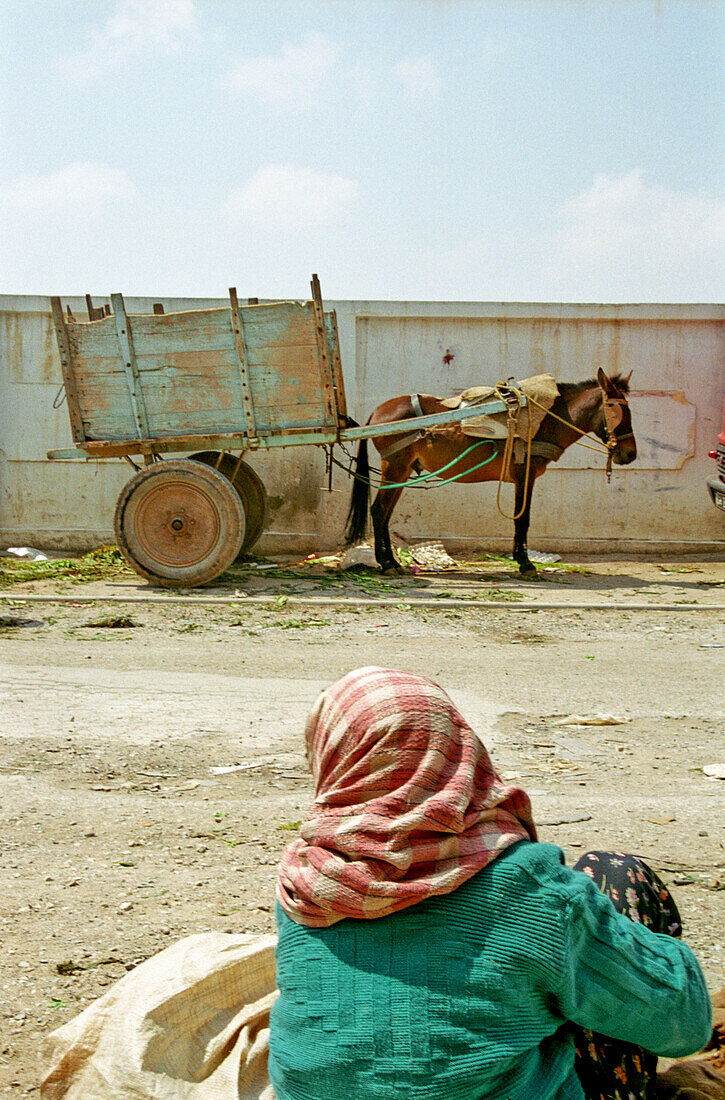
pixel 393 448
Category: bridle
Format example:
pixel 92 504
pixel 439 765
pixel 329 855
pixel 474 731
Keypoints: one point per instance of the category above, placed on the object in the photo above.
pixel 613 409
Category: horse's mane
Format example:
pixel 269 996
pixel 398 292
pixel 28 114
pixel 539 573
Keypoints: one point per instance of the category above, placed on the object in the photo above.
pixel 571 389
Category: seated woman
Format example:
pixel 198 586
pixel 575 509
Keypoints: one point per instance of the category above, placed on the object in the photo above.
pixel 431 949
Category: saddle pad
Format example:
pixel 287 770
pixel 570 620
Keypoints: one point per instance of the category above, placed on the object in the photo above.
pixel 541 387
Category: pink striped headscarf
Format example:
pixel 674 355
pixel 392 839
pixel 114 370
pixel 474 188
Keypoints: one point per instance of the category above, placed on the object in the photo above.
pixel 407 803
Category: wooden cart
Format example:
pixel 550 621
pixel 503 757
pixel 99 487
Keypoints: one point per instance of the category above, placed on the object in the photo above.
pixel 210 384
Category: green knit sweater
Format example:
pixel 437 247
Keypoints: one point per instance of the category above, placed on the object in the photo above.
pixel 466 996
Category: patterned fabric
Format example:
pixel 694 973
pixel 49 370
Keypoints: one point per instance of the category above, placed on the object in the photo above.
pixel 407 803
pixel 608 1069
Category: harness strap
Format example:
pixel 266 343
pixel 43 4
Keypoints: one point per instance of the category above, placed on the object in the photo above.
pixel 551 451
pixel 415 402
pixel 539 449
pixel 400 444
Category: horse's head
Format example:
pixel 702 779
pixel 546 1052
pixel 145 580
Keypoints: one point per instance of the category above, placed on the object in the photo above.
pixel 615 425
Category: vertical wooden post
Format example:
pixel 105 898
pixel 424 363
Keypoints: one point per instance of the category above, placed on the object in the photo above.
pixel 243 361
pixel 323 351
pixel 66 366
pixel 133 379
pixel 337 368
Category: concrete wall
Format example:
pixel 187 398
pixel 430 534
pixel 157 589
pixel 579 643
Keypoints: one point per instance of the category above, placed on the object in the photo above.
pixel 676 354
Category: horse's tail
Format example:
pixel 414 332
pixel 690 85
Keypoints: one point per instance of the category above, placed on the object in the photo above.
pixel 357 516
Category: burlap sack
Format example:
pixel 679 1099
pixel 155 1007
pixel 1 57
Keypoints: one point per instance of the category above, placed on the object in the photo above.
pixel 191 1023
pixel 541 387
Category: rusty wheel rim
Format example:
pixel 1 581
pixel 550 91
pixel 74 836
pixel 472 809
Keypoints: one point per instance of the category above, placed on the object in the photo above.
pixel 178 522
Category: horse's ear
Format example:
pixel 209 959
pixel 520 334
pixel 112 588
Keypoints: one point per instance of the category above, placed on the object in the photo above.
pixel 626 378
pixel 604 381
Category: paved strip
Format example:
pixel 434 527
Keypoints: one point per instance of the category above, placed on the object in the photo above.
pixel 411 602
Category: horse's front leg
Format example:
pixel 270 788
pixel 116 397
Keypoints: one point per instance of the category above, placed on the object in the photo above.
pixel 524 488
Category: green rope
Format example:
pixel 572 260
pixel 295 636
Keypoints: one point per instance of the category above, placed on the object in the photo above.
pixel 446 481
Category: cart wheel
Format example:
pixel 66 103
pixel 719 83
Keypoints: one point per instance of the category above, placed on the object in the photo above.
pixel 250 487
pixel 179 523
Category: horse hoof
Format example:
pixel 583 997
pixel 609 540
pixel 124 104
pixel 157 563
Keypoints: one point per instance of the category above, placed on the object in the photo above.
pixel 528 571
pixel 393 571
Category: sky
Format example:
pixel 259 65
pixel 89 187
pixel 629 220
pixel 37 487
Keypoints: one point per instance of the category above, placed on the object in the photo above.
pixel 446 150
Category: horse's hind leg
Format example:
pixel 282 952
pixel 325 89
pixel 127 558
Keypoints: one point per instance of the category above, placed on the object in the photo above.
pixel 380 512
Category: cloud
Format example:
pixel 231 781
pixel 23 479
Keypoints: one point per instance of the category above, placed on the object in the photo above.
pixel 136 29
pixel 290 80
pixel 289 195
pixel 419 78
pixel 79 190
pixel 622 217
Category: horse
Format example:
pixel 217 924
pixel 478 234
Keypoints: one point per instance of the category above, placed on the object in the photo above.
pixel 598 406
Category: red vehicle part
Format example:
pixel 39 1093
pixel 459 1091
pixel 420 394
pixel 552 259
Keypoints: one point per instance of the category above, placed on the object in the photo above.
pixel 716 484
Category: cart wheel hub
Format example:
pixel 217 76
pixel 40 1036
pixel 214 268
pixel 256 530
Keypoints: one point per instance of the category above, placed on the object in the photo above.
pixel 179 522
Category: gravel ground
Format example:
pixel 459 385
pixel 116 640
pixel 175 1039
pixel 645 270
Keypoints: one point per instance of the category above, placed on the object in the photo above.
pixel 121 705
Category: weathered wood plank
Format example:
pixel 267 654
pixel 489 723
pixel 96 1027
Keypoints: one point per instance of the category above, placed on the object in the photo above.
pixel 324 365
pixel 188 377
pixel 128 354
pixel 67 365
pixel 333 341
pixel 240 345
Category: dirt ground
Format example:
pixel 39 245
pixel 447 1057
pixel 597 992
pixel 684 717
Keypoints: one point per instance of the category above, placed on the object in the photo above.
pixel 153 767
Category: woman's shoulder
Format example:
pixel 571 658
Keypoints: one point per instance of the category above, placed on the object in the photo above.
pixel 531 867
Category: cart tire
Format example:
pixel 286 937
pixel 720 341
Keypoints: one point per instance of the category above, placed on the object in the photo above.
pixel 179 523
pixel 250 487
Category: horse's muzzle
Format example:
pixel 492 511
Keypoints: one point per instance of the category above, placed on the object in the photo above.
pixel 624 454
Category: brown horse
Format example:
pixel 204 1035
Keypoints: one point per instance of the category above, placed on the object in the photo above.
pixel 598 406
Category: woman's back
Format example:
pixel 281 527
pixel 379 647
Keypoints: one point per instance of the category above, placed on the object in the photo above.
pixel 466 995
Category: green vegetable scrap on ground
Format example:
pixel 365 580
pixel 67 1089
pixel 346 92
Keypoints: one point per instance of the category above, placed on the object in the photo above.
pixel 104 562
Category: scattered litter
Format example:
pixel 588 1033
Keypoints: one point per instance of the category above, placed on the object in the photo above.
pixel 361 554
pixel 319 559
pixel 235 768
pixel 541 558
pixel 715 771
pixel 11 621
pixel 591 720
pixel 112 622
pixel 432 555
pixel 70 967
pixel 26 552
pixel 567 820
pixel 187 785
pixel 711 645
pixel 661 820
pixel 227 769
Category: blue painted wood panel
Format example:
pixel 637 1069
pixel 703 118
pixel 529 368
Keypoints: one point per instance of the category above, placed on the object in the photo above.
pixel 189 373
